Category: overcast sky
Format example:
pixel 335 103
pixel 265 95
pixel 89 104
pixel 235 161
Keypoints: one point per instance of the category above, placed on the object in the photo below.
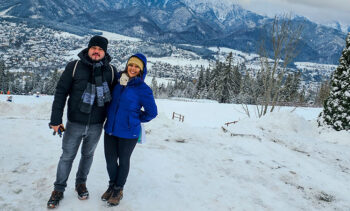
pixel 322 11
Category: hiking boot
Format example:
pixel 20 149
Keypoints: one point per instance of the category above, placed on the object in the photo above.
pixel 108 193
pixel 54 200
pixel 82 191
pixel 117 195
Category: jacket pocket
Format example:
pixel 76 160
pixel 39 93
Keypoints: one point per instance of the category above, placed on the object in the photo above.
pixel 134 119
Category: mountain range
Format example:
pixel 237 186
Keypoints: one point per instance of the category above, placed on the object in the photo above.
pixel 179 22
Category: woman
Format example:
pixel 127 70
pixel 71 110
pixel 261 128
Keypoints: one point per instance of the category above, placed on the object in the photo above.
pixel 123 125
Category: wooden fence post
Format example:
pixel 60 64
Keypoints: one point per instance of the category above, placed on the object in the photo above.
pixel 179 116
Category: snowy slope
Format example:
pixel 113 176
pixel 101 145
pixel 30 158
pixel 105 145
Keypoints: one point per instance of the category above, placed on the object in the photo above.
pixel 279 162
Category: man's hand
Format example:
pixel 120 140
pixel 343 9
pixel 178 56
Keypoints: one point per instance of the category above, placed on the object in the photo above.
pixel 57 129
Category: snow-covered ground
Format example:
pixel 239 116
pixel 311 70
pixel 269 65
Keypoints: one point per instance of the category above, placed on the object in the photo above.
pixel 115 36
pixel 160 81
pixel 282 161
pixel 174 60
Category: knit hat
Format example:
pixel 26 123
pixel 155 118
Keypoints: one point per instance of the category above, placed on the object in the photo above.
pixel 137 61
pixel 98 41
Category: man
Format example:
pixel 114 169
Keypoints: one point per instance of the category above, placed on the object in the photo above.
pixel 87 82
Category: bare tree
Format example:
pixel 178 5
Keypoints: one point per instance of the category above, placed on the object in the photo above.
pixel 285 38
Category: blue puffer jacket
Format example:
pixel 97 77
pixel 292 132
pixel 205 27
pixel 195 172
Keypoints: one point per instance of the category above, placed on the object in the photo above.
pixel 124 114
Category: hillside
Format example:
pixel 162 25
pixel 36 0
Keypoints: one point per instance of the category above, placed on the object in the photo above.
pixel 27 49
pixel 176 22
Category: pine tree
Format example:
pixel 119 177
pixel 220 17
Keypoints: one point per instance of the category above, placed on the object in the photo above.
pixel 7 81
pixel 37 82
pixel 258 88
pixel 214 79
pixel 154 87
pixel 2 76
pixel 225 83
pixel 289 91
pixel 169 90
pixel 237 80
pixel 207 80
pixel 285 93
pixel 162 91
pixel 246 94
pixel 28 84
pixel 200 85
pixel 189 90
pixel 50 87
pixel 17 87
pixel 323 93
pixel 295 86
pixel 302 95
pixel 336 111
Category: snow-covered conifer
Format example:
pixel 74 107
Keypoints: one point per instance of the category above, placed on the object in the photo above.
pixel 205 91
pixel 200 85
pixel 3 77
pixel 225 82
pixel 289 91
pixel 214 78
pixel 237 80
pixel 246 94
pixel 323 93
pixel 336 111
pixel 154 87
pixel 50 86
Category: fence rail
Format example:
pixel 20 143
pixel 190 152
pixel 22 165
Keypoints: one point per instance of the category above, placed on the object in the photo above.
pixel 179 116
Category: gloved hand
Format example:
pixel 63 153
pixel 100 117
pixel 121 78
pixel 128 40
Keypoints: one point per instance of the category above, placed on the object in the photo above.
pixel 124 79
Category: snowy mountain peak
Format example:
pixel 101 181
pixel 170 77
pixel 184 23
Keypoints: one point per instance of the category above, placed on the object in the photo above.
pixel 221 9
pixel 339 26
pixel 198 22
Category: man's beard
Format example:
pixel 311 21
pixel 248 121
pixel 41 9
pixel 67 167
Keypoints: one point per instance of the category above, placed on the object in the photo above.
pixel 96 60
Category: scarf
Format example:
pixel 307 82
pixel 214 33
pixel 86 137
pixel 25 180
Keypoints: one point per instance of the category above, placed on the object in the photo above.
pixel 98 87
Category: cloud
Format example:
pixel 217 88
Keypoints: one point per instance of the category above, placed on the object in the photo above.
pixel 342 5
pixel 321 11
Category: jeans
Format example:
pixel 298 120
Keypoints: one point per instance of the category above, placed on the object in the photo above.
pixel 118 149
pixel 75 134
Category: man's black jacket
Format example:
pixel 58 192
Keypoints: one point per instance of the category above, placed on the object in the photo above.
pixel 74 87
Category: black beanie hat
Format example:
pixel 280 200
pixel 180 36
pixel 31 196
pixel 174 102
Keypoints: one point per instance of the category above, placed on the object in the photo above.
pixel 98 41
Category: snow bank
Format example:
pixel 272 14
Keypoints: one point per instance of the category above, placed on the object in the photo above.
pixel 282 161
pixel 26 107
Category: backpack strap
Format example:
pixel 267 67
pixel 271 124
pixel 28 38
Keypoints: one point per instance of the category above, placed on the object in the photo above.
pixel 75 67
pixel 76 64
pixel 112 73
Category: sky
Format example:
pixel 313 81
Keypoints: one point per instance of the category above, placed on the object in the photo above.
pixel 322 11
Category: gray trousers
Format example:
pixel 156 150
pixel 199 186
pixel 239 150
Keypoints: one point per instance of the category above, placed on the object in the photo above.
pixel 74 135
